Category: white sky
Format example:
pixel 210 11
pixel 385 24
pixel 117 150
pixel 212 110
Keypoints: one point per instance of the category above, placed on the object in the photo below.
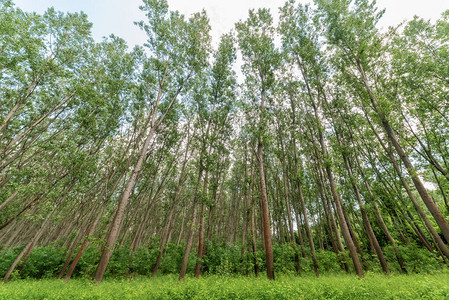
pixel 117 16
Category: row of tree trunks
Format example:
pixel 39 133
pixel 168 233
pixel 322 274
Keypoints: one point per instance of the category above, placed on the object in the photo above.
pixel 181 180
pixel 301 195
pixel 443 247
pixel 428 201
pixel 29 247
pixel 336 196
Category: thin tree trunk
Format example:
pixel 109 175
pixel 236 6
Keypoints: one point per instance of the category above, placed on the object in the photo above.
pixel 181 230
pixel 75 243
pixel 192 225
pixel 380 219
pixel 253 224
pixel 265 214
pixel 181 179
pixel 292 238
pixel 302 201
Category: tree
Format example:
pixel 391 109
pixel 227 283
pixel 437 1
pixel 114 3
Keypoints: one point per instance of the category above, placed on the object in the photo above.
pixel 255 38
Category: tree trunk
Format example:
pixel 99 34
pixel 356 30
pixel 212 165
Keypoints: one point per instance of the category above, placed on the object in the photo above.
pixel 192 225
pixel 253 226
pixel 380 219
pixel 292 238
pixel 10 198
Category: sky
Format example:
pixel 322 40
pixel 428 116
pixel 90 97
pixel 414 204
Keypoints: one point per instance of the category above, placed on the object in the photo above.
pixel 117 16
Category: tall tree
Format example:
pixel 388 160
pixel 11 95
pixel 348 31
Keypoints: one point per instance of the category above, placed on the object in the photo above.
pixel 261 58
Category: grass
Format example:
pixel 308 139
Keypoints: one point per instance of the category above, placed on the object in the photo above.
pixel 373 286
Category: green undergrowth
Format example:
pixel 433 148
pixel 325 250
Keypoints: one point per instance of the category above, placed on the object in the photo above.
pixel 373 286
pixel 220 259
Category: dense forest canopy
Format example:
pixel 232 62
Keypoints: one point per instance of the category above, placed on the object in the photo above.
pixel 331 154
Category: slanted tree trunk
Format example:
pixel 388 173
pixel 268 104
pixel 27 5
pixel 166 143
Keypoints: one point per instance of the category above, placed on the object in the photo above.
pixel 163 240
pixel 10 198
pixel 380 219
pixel 333 224
pixel 371 236
pixel 253 225
pixel 75 243
pixel 181 180
pixel 200 242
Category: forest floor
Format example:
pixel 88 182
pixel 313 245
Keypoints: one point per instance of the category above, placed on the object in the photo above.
pixel 373 286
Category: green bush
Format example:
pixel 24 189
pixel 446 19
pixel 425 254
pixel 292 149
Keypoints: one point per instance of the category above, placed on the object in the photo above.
pixel 119 262
pixel 88 263
pixel 43 262
pixel 222 259
pixel 172 261
pixel 7 257
pixel 328 261
pixel 417 260
pixel 284 258
pixel 219 258
pixel 420 260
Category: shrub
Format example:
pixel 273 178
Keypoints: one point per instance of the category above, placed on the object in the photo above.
pixel 43 262
pixel 328 261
